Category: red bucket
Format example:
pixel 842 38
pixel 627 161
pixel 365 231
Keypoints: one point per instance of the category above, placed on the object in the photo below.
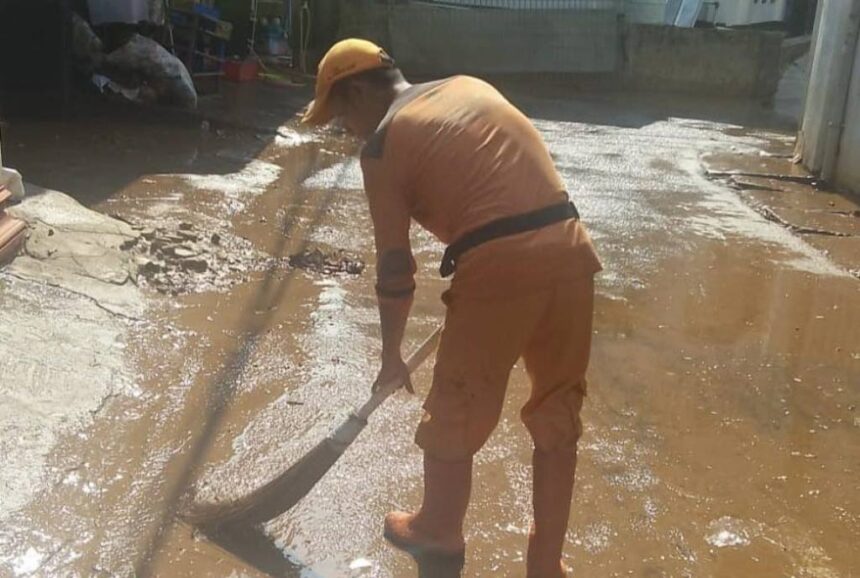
pixel 241 70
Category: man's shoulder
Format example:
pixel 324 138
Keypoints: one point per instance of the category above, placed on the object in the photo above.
pixel 375 145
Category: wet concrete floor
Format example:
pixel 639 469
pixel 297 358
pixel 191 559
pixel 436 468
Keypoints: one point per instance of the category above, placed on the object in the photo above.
pixel 721 424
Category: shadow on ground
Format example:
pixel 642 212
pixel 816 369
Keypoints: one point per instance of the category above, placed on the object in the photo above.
pixel 99 146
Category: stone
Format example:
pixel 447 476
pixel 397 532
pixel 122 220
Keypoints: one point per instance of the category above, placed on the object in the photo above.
pixel 196 265
pixel 182 252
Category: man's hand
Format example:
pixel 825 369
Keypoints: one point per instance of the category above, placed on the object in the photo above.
pixel 393 375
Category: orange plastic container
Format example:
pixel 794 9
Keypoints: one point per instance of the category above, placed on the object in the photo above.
pixel 241 70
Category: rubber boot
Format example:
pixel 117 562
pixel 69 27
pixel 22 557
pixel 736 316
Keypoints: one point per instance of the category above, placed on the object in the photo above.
pixel 437 528
pixel 553 490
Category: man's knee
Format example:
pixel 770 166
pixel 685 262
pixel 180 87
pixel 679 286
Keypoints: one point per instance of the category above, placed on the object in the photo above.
pixel 555 424
pixel 456 422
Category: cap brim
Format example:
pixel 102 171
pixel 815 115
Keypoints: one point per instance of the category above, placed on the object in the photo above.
pixel 315 115
pixel 319 110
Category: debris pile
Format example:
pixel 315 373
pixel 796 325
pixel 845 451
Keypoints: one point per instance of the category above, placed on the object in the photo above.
pixel 141 70
pixel 182 259
pixel 331 263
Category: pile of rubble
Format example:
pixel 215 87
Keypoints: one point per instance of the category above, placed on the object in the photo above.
pixel 331 263
pixel 182 259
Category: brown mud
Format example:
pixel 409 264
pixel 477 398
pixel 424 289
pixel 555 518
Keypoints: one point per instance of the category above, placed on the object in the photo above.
pixel 721 423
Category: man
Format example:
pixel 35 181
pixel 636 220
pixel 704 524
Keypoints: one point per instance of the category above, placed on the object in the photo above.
pixel 460 160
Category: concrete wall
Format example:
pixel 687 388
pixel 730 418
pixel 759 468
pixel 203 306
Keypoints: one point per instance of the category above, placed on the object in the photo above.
pixel 828 139
pixel 437 40
pixel 432 40
pixel 706 61
pixel 848 162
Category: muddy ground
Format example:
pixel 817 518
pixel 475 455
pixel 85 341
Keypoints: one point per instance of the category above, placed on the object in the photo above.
pixel 721 424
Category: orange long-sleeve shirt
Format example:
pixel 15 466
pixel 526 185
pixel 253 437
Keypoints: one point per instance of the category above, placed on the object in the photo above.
pixel 455 155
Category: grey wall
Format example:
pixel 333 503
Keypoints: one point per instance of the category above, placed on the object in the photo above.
pixel 428 39
pixel 848 161
pixel 706 61
pixel 434 40
pixel 828 139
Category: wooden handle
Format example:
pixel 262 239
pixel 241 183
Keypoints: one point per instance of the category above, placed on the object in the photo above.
pixel 414 362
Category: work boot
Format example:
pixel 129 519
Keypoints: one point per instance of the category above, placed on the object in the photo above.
pixel 552 492
pixel 437 528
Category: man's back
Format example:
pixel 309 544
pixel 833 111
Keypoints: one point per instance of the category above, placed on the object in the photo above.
pixel 464 156
pixel 456 155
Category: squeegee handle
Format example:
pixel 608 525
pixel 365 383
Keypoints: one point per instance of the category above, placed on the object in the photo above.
pixel 414 362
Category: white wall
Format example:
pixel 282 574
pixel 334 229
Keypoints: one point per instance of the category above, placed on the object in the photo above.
pixel 725 12
pixel 538 4
pixel 743 12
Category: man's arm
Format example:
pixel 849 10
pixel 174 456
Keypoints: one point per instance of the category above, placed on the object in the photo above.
pixel 394 294
pixel 395 269
pixel 394 307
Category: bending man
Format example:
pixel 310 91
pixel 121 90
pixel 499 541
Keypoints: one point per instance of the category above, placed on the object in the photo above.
pixel 464 163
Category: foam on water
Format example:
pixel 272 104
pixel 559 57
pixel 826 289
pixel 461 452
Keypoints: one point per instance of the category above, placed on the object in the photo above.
pixel 345 176
pixel 253 179
pixel 728 532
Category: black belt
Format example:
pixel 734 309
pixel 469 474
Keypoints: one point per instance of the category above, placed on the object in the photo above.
pixel 505 227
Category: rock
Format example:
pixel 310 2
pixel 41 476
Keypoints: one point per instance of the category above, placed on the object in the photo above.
pixel 151 267
pixel 215 239
pixel 337 262
pixel 184 252
pixel 185 226
pixel 126 246
pixel 173 237
pixel 156 246
pixel 196 265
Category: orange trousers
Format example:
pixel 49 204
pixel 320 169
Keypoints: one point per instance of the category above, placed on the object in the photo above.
pixel 482 340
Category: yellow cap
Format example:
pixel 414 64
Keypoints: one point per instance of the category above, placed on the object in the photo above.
pixel 346 58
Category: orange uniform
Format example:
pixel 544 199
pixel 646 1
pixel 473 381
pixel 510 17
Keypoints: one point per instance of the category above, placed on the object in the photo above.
pixel 454 155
